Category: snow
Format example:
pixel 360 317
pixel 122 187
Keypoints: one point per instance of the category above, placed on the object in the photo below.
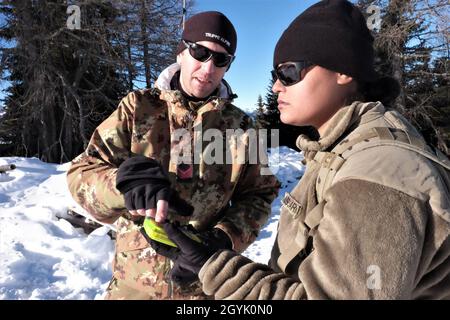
pixel 286 164
pixel 44 257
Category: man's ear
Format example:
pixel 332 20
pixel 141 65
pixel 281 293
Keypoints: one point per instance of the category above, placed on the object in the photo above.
pixel 343 79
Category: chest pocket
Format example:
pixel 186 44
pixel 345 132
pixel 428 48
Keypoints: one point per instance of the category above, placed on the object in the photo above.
pixel 295 241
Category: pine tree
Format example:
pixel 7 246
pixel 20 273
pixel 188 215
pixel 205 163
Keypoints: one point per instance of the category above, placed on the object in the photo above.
pixel 63 82
pixel 151 33
pixel 260 110
pixel 412 46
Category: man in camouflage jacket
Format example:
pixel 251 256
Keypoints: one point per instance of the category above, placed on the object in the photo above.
pixel 189 95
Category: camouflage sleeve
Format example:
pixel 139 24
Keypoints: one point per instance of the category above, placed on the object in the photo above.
pixel 91 177
pixel 251 201
pixel 250 207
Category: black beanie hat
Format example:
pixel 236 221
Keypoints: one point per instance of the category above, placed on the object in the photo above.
pixel 332 34
pixel 210 26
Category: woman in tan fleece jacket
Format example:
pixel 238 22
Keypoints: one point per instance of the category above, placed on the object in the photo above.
pixel 370 217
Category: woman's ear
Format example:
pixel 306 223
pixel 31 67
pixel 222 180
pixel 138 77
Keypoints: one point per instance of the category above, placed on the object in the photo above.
pixel 179 57
pixel 343 79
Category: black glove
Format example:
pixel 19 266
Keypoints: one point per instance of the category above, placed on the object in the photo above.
pixel 216 240
pixel 178 274
pixel 192 255
pixel 143 182
pixel 181 276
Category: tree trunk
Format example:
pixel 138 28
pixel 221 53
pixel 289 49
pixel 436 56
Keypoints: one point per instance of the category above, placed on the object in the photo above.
pixel 145 43
pixel 130 69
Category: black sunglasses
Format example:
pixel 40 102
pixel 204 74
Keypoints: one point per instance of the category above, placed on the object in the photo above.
pixel 290 73
pixel 203 54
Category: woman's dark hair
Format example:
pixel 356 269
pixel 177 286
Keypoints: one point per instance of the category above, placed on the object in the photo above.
pixel 385 89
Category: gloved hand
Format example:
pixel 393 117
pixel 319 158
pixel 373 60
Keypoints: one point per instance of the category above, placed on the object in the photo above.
pixel 192 255
pixel 178 274
pixel 181 276
pixel 143 182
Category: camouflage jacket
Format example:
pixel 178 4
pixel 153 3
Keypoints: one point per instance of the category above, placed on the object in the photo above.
pixel 235 196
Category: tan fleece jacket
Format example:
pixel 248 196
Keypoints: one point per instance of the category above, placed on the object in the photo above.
pixel 384 233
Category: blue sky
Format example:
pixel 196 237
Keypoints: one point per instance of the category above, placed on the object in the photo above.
pixel 259 24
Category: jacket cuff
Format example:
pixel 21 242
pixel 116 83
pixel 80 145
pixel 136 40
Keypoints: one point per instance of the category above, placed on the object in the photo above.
pixel 237 244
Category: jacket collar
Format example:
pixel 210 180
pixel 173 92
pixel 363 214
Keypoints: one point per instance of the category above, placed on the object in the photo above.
pixel 356 113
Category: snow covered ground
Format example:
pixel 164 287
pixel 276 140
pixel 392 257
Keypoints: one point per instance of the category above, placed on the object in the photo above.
pixel 44 257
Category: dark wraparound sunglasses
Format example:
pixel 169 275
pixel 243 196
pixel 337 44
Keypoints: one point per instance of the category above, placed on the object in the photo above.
pixel 203 54
pixel 290 73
